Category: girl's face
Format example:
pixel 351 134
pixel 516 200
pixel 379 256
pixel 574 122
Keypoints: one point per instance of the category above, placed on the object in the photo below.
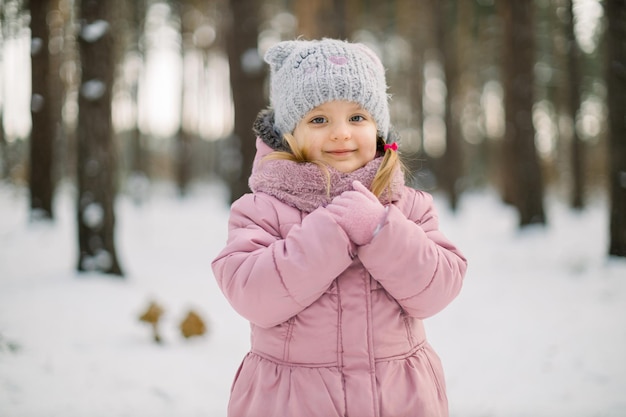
pixel 339 133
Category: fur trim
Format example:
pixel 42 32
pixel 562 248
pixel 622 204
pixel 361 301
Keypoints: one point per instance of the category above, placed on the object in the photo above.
pixel 265 129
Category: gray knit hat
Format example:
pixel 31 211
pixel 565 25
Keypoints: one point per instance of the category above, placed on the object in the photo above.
pixel 306 74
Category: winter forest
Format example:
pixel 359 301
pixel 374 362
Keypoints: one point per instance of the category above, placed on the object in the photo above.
pixel 126 132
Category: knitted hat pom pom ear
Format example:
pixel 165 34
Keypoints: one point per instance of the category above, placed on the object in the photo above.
pixel 276 55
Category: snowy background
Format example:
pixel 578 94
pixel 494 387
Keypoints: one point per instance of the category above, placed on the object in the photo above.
pixel 538 330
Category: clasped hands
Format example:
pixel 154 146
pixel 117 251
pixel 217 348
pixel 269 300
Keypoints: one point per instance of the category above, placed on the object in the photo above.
pixel 358 212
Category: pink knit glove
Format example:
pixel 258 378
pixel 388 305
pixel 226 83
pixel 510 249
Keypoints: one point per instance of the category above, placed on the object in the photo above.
pixel 358 212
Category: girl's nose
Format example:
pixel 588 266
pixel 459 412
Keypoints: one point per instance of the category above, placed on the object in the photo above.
pixel 341 131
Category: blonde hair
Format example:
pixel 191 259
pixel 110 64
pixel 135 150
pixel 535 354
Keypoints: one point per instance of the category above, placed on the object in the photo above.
pixel 382 180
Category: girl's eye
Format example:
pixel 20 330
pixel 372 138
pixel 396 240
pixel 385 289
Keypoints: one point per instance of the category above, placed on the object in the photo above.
pixel 357 118
pixel 318 120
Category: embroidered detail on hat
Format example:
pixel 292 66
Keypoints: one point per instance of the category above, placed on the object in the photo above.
pixel 304 55
pixel 338 60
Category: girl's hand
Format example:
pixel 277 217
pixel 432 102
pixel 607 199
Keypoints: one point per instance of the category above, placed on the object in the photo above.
pixel 358 212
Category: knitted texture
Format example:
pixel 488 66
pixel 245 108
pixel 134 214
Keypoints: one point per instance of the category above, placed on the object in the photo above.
pixel 358 212
pixel 304 186
pixel 306 74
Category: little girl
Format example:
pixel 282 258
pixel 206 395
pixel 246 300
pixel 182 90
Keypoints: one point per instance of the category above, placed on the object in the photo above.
pixel 332 259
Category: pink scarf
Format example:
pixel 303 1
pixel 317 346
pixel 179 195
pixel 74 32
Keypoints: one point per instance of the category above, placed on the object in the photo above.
pixel 304 185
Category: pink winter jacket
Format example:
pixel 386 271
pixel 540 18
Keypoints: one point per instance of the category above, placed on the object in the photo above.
pixel 336 330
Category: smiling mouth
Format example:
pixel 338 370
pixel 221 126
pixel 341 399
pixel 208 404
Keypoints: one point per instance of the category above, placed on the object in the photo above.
pixel 341 152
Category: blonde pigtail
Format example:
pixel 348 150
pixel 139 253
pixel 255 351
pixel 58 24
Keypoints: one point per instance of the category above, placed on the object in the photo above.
pixel 384 176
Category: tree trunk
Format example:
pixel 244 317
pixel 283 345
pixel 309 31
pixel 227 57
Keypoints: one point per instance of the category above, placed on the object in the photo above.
pixel 184 138
pixel 43 126
pixel 96 150
pixel 139 154
pixel 522 175
pixel 247 75
pixel 4 149
pixel 325 18
pixel 577 149
pixel 452 160
pixel 184 159
pixel 616 83
pixel 413 24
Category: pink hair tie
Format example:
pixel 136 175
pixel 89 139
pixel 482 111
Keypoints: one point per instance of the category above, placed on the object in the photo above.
pixel 393 146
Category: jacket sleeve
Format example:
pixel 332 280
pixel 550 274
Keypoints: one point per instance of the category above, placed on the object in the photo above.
pixel 413 260
pixel 268 278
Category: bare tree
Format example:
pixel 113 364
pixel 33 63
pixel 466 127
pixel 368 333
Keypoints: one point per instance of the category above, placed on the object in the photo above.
pixel 616 82
pixel 523 181
pixel 60 25
pixel 96 151
pixel 43 124
pixel 137 11
pixel 247 76
pixel 325 18
pixel 452 160
pixel 415 22
pixel 184 138
pixel 577 148
pixel 4 161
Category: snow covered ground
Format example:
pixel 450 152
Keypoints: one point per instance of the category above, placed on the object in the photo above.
pixel 538 330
